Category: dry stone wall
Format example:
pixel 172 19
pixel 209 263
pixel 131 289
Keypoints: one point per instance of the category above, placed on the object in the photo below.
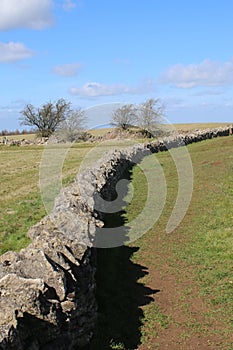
pixel 47 290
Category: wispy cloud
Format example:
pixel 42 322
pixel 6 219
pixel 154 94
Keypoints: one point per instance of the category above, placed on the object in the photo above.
pixel 34 14
pixel 174 103
pixel 205 74
pixel 121 61
pixel 68 5
pixel 95 89
pixel 67 70
pixel 213 91
pixel 13 106
pixel 12 52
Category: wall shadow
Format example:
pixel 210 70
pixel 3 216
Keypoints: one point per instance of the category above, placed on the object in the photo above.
pixel 119 292
pixel 33 333
pixel 119 297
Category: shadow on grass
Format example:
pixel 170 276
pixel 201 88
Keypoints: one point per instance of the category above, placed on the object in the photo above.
pixel 120 295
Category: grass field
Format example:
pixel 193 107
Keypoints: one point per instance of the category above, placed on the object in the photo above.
pixel 194 126
pixel 103 131
pixel 19 137
pixel 163 291
pixel 20 198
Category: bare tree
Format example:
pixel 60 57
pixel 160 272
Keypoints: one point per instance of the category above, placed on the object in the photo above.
pixel 72 128
pixel 149 116
pixel 124 117
pixel 47 118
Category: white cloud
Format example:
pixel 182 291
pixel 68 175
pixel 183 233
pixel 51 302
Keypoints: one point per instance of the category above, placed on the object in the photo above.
pixel 206 73
pixel 94 89
pixel 12 52
pixel 34 14
pixel 67 70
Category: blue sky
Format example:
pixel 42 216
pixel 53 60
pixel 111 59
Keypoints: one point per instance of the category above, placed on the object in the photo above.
pixel 94 52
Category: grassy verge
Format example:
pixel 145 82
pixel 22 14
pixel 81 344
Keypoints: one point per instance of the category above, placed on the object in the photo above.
pixel 174 290
pixel 197 256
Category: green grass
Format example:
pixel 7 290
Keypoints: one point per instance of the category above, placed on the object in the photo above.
pixel 20 201
pixel 20 198
pixel 204 239
pixel 201 247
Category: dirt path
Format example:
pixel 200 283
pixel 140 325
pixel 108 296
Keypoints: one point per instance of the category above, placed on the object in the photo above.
pixel 189 322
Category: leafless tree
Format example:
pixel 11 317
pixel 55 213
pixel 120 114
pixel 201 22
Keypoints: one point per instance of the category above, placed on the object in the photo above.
pixel 124 117
pixel 72 128
pixel 149 116
pixel 47 118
